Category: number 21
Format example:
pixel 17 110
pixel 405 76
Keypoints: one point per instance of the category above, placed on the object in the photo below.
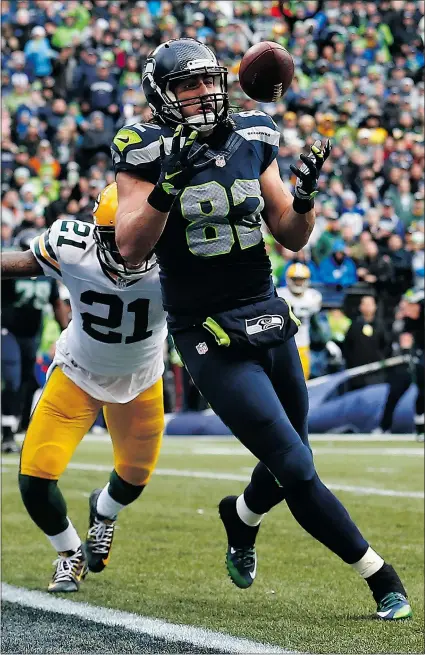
pixel 139 307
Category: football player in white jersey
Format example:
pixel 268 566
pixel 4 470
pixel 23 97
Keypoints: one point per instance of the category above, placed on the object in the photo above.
pixel 305 302
pixel 110 357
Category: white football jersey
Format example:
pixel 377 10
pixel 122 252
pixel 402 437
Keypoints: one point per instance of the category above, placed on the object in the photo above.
pixel 113 347
pixel 304 306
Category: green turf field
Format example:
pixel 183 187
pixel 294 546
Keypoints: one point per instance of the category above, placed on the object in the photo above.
pixel 168 556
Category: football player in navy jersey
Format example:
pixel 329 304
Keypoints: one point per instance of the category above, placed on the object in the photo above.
pixel 194 184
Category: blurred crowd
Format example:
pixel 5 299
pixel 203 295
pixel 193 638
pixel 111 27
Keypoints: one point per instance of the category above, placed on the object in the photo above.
pixel 71 76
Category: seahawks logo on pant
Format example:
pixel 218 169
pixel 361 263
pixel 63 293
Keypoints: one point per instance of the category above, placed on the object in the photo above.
pixel 262 323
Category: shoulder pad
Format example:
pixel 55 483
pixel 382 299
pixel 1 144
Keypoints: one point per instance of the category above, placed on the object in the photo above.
pixel 252 118
pixel 136 144
pixel 255 125
pixel 70 239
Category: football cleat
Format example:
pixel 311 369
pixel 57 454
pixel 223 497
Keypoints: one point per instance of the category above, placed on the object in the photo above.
pixel 241 557
pixel 99 536
pixel 394 606
pixel 71 569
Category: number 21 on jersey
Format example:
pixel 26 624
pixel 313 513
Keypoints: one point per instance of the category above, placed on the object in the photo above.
pixel 115 307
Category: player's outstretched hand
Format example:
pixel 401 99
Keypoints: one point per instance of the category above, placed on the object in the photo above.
pixel 181 163
pixel 308 173
pixel 178 167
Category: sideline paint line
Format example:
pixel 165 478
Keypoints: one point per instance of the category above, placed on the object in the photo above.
pixel 209 475
pixel 152 627
pixel 240 451
pixel 331 437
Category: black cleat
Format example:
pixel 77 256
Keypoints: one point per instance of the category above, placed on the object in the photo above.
pixel 99 536
pixel 241 557
pixel 71 569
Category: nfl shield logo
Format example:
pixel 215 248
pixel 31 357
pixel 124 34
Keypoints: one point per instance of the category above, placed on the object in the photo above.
pixel 202 348
pixel 220 161
pixel 121 283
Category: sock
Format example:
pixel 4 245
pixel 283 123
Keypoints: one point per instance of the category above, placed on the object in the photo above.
pixel 322 515
pixel 369 564
pixel 384 582
pixel 66 540
pixel 115 495
pixel 239 534
pixel 106 505
pixel 250 518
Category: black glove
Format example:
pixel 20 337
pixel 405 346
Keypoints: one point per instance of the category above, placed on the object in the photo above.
pixel 177 169
pixel 307 176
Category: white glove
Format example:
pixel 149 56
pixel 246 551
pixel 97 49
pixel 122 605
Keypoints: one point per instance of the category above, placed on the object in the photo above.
pixel 334 350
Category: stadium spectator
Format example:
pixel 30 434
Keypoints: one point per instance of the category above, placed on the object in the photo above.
pixel 332 233
pixel 39 53
pixel 338 269
pixel 367 339
pixel 71 77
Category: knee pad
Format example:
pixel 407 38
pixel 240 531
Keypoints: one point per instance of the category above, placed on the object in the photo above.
pixel 47 460
pixel 292 465
pixel 134 475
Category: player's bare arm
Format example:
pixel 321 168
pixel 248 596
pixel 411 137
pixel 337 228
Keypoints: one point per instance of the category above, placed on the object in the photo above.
pixel 138 224
pixel 289 228
pixel 19 264
pixel 291 219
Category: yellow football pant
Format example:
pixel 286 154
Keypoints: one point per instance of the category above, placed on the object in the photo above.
pixel 304 352
pixel 65 413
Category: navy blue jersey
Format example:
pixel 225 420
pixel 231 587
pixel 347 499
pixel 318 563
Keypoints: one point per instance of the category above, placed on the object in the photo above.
pixel 23 302
pixel 211 254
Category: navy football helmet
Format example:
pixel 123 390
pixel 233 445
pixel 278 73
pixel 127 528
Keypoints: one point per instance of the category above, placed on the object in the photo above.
pixel 177 60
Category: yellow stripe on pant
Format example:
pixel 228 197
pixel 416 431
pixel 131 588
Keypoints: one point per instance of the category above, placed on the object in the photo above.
pixel 65 413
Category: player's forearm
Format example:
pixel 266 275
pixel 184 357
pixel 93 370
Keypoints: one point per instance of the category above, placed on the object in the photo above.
pixel 294 229
pixel 19 264
pixel 137 232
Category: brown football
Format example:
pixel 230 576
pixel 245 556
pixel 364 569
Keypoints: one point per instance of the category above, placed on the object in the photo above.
pixel 266 71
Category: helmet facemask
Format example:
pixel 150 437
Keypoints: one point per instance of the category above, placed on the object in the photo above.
pixel 298 285
pixel 214 106
pixel 112 259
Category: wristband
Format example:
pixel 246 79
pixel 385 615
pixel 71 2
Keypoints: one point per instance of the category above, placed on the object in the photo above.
pixel 160 200
pixel 301 205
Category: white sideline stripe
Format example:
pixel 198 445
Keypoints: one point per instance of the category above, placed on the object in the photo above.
pixel 209 475
pixel 188 439
pixel 136 623
pixel 240 451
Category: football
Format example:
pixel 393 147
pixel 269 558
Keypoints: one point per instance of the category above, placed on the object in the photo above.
pixel 266 71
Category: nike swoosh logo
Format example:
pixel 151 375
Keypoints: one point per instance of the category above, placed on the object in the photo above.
pixel 124 140
pixel 254 572
pixel 168 176
pixel 383 614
